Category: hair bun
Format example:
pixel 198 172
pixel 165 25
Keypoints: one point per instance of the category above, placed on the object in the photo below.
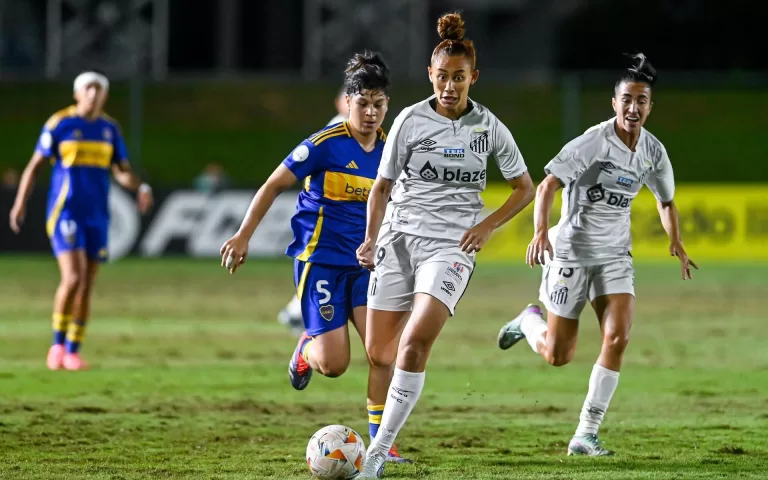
pixel 450 26
pixel 642 67
pixel 361 60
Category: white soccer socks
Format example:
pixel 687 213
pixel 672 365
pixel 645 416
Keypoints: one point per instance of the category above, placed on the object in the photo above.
pixel 404 392
pixel 602 384
pixel 534 328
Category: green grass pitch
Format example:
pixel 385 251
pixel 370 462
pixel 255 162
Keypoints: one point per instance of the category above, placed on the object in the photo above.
pixel 189 380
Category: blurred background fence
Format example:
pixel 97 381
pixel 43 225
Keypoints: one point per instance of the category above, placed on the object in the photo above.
pixel 225 89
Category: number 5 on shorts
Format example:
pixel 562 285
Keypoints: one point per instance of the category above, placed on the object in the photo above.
pixel 320 286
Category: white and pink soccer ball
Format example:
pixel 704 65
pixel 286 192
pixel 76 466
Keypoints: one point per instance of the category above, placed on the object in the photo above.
pixel 335 452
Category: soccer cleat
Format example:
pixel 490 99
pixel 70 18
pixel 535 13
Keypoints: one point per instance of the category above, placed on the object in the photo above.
pixel 56 357
pixel 588 445
pixel 511 333
pixel 294 323
pixel 72 361
pixel 373 465
pixel 394 456
pixel 299 370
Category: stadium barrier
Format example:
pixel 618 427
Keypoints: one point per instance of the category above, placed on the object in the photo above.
pixel 719 222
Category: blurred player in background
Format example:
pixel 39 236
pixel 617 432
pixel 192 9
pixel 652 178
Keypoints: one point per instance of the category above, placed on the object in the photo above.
pixel 339 165
pixel 290 315
pixel 601 171
pixel 434 165
pixel 84 144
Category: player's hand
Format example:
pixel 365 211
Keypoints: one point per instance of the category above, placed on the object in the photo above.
pixel 144 201
pixel 365 254
pixel 474 238
pixel 676 250
pixel 234 252
pixel 535 253
pixel 16 217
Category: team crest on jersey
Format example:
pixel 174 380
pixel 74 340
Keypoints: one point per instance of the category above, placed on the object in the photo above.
pixel 327 312
pixel 107 134
pixel 479 141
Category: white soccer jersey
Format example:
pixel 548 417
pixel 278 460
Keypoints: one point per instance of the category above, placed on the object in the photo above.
pixel 439 166
pixel 602 176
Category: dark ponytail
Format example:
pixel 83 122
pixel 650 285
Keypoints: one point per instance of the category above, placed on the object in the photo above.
pixel 366 71
pixel 641 71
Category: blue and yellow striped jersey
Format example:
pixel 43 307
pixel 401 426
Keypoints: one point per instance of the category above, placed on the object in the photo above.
pixel 329 223
pixel 81 152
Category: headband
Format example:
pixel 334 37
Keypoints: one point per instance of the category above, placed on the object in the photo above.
pixel 87 78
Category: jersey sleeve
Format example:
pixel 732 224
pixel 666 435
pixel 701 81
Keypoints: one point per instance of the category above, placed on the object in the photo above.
pixel 47 143
pixel 574 158
pixel 507 155
pixel 119 150
pixel 661 180
pixel 305 160
pixel 396 150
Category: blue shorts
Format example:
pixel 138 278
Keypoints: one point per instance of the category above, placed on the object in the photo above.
pixel 328 293
pixel 70 233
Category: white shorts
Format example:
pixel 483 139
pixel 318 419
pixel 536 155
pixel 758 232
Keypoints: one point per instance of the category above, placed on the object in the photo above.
pixel 408 264
pixel 565 290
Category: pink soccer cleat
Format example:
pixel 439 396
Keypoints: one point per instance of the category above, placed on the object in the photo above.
pixel 56 357
pixel 72 361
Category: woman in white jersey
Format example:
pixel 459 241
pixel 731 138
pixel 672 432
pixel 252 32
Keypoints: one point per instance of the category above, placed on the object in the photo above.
pixel 434 167
pixel 589 255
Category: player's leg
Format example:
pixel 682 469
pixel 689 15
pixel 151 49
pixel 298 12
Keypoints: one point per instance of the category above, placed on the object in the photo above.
pixel 96 253
pixel 437 290
pixel 324 345
pixel 564 292
pixel 612 294
pixel 68 244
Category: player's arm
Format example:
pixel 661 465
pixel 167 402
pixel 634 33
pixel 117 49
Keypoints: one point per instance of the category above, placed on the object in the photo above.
pixel 124 174
pixel 26 184
pixel 305 160
pixel 661 181
pixel 46 146
pixel 393 160
pixel 281 180
pixel 514 170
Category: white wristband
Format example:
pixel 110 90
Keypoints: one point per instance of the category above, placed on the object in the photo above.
pixel 144 188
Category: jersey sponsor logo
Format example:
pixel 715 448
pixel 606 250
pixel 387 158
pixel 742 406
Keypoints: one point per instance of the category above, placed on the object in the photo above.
pixel 453 152
pixel 86 153
pixel 448 288
pixel 559 294
pixel 346 188
pixel 479 142
pixel 300 154
pixel 428 172
pixel 426 145
pixel 624 182
pixel 597 193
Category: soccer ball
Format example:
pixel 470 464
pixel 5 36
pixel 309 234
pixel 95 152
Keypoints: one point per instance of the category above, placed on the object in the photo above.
pixel 335 452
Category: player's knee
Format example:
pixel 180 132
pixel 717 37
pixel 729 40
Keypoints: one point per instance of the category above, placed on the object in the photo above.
pixel 615 342
pixel 557 357
pixel 332 368
pixel 414 354
pixel 72 280
pixel 380 357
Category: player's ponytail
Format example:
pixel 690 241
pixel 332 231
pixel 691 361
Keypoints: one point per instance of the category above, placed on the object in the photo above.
pixel 640 70
pixel 450 27
pixel 366 71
